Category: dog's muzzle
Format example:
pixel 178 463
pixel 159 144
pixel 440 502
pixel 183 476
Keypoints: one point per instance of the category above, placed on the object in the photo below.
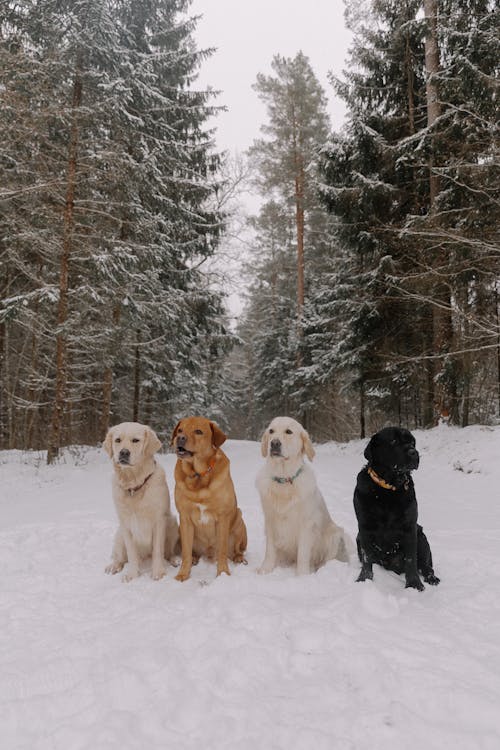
pixel 124 457
pixel 275 449
pixel 180 448
pixel 413 459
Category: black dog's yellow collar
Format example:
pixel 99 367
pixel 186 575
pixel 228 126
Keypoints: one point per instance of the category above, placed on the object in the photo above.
pixel 378 480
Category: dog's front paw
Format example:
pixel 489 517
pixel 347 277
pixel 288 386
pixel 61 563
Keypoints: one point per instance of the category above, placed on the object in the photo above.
pixel 264 569
pixel 130 575
pixel 157 573
pixel 181 576
pixel 414 583
pixel 114 567
pixel 365 575
pixel 223 569
pixel 432 580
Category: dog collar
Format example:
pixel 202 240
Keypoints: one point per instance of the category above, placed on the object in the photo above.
pixel 378 480
pixel 288 480
pixel 133 490
pixel 382 483
pixel 211 464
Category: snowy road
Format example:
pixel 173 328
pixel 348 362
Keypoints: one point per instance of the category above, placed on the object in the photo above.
pixel 250 662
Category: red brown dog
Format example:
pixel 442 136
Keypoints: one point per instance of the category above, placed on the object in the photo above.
pixel 211 523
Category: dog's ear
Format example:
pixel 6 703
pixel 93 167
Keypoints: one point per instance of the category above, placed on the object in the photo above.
pixel 108 443
pixel 307 446
pixel 218 437
pixel 264 443
pixel 174 432
pixel 151 442
pixel 368 454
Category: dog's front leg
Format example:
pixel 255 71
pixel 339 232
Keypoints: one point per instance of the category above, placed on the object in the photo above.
pixel 187 536
pixel 366 572
pixel 271 556
pixel 132 556
pixel 118 555
pixel 222 533
pixel 410 561
pixel 159 532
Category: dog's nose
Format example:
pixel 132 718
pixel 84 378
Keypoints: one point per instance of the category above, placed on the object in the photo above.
pixel 124 454
pixel 275 446
pixel 181 441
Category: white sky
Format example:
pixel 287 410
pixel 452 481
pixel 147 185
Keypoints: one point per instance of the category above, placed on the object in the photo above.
pixel 247 34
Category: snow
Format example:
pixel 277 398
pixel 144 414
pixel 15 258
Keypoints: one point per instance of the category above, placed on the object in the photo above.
pixel 255 662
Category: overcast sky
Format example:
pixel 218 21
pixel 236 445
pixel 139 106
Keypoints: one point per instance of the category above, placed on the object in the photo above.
pixel 247 34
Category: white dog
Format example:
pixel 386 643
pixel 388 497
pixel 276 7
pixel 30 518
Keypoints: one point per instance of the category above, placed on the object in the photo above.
pixel 142 501
pixel 299 529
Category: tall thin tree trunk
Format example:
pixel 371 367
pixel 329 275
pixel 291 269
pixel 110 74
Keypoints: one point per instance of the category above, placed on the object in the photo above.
pixel 362 418
pixel 137 381
pixel 410 76
pixel 107 388
pixel 431 88
pixel 62 311
pixel 442 320
pixel 497 301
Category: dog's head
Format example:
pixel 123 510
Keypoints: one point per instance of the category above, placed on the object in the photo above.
pixel 196 436
pixel 286 438
pixel 129 443
pixel 392 454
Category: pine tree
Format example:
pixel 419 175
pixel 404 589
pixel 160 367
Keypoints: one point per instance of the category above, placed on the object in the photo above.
pixel 389 178
pixel 109 214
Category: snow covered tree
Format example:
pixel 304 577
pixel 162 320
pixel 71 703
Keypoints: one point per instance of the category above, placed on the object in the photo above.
pixel 389 178
pixel 109 216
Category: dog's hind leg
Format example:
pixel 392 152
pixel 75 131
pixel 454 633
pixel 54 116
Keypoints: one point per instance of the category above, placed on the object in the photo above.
pixel 424 558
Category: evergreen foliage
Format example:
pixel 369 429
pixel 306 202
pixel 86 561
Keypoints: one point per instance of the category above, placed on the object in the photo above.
pixel 109 182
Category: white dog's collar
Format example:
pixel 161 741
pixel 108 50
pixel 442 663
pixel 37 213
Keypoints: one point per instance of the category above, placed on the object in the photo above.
pixel 133 490
pixel 288 480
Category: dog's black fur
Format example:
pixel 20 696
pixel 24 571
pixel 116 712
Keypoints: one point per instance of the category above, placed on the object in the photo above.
pixel 387 518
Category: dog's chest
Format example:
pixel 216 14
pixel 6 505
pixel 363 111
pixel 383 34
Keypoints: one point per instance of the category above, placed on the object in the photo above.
pixel 141 530
pixel 205 517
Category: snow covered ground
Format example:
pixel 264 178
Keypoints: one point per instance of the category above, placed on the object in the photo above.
pixel 250 662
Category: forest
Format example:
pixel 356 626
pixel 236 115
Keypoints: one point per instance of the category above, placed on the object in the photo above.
pixel 373 271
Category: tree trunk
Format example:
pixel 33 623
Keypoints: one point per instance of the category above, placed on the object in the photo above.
pixel 431 88
pixel 362 419
pixel 62 311
pixel 137 381
pixel 442 320
pixel 107 388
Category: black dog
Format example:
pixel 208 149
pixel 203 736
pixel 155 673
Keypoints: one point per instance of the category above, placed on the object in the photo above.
pixel 386 509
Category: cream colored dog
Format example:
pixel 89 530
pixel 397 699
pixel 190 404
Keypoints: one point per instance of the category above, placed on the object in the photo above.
pixel 299 529
pixel 142 501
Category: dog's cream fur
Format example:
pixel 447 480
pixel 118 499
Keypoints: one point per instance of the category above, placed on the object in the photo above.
pixel 140 492
pixel 299 529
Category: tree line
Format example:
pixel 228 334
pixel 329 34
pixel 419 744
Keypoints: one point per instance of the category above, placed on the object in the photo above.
pixel 373 268
pixel 374 294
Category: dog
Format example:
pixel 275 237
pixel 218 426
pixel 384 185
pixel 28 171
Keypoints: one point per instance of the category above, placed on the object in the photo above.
pixel 299 529
pixel 211 523
pixel 142 501
pixel 386 509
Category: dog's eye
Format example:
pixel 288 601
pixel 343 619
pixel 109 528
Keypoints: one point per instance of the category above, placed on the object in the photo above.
pixel 118 440
pixel 289 432
pixel 135 440
pixel 198 432
pixel 271 432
